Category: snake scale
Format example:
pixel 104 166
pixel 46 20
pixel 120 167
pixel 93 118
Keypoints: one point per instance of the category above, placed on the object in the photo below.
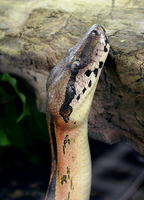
pixel 70 90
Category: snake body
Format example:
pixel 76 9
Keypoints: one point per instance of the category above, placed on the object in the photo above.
pixel 70 89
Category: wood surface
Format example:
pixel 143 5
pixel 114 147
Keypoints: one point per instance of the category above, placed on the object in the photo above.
pixel 35 35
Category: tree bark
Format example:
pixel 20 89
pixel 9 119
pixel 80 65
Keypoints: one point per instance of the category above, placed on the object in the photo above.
pixel 34 37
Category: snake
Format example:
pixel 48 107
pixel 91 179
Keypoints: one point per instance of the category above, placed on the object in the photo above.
pixel 70 89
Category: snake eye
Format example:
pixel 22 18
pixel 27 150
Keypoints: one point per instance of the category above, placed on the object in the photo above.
pixel 75 66
pixel 94 33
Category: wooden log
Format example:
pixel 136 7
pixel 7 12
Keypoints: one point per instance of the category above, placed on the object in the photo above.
pixel 35 35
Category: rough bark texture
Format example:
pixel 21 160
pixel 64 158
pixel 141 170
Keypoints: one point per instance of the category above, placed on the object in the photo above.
pixel 35 35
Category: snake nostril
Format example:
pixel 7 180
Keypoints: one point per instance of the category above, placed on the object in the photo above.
pixel 94 33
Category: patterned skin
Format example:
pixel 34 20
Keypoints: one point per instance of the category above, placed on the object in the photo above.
pixel 70 90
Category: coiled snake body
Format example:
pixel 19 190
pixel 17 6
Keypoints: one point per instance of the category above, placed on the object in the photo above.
pixel 70 88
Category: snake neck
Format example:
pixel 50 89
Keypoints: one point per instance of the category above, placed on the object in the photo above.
pixel 71 166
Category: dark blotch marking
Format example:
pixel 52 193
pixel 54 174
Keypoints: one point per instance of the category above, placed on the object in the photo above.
pixel 90 83
pixel 70 93
pixel 105 49
pixel 95 71
pixel 68 172
pixel 68 195
pixel 64 179
pixel 100 64
pixel 65 111
pixel 88 72
pixel 83 91
pixel 72 185
pixel 53 136
pixel 78 97
pixel 65 142
pixel 75 71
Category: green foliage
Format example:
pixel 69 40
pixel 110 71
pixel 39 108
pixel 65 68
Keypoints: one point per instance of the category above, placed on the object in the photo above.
pixel 21 124
pixel 13 82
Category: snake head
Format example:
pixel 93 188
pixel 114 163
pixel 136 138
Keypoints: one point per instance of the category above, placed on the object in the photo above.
pixel 72 83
